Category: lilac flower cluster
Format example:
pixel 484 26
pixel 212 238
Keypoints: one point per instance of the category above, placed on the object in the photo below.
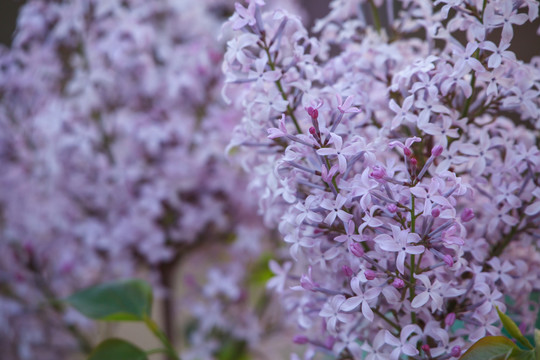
pixel 401 165
pixel 112 132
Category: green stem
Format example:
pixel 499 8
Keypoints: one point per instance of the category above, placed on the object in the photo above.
pixel 376 18
pixel 290 110
pixel 157 351
pixel 412 278
pixel 393 324
pixel 154 328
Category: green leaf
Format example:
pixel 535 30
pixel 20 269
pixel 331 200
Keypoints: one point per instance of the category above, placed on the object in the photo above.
pixel 261 273
pixel 117 349
pixel 125 300
pixel 513 329
pixel 526 355
pixel 537 342
pixel 492 348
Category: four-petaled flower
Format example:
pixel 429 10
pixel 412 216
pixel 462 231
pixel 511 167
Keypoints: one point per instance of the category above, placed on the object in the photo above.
pixel 403 242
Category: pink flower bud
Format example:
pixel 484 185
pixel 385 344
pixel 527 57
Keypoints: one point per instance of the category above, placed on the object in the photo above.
pixel 437 151
pixel 467 215
pixel 450 319
pixel 426 348
pixel 378 172
pixel 449 260
pixel 456 351
pixel 370 274
pixel 300 339
pixel 392 208
pixel 398 283
pixel 356 249
pixel 314 113
pixel 312 131
pixel 347 271
pixel 435 212
pixel 414 162
pixel 407 152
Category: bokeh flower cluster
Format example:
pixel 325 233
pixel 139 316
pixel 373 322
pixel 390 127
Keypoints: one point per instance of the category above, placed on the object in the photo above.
pixel 112 138
pixel 396 147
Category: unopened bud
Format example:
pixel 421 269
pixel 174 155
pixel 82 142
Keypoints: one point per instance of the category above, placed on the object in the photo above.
pixel 449 260
pixel 426 348
pixel 435 212
pixel 356 249
pixel 467 215
pixel 437 151
pixel 407 152
pixel 392 208
pixel 456 351
pixel 398 283
pixel 370 274
pixel 314 113
pixel 347 271
pixel 300 339
pixel 414 162
pixel 312 131
pixel 378 172
pixel 450 319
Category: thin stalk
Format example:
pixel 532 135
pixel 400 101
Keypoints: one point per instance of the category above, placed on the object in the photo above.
pixel 412 278
pixel 154 328
pixel 376 18
pixel 290 110
pixel 393 324
pixel 156 351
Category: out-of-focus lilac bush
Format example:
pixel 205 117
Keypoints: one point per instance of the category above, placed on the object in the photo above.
pixel 401 164
pixel 112 138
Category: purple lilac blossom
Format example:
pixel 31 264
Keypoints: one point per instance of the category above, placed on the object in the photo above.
pixel 438 172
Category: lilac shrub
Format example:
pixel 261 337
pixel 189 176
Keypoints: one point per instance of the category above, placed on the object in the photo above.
pixel 111 148
pixel 401 165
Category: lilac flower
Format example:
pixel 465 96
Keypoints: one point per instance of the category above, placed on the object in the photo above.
pixel 349 237
pixel 499 52
pixel 466 59
pixel 274 133
pixel 402 113
pixel 281 274
pixel 260 75
pixel 402 242
pixel 508 17
pixel 431 292
pixel 430 196
pixel 335 208
pixel 345 107
pixel 338 151
pixel 361 298
pixel 402 345
pixel 331 311
pixel 244 16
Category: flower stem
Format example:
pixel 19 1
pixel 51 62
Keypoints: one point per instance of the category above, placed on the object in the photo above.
pixel 154 328
pixel 290 110
pixel 412 278
pixel 376 18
